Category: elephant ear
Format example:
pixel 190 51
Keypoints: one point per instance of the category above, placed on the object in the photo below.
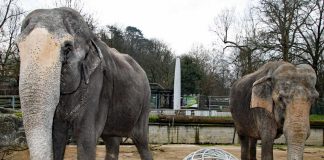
pixel 92 60
pixel 262 94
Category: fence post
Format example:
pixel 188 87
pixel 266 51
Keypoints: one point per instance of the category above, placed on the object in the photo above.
pixel 208 97
pixel 13 102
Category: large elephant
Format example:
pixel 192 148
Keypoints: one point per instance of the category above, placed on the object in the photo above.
pixel 71 79
pixel 273 100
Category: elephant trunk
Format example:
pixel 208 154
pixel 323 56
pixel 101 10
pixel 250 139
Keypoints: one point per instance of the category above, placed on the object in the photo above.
pixel 38 115
pixel 39 90
pixel 295 151
pixel 296 127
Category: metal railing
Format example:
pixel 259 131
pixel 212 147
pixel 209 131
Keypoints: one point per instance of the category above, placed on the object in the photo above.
pixel 190 112
pixel 10 101
pixel 219 103
pixel 318 106
pixel 9 92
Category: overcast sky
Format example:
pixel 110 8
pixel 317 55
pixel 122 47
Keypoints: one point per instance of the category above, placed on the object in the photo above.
pixel 178 23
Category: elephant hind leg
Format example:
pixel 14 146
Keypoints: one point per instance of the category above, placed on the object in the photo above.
pixel 140 137
pixel 142 146
pixel 112 147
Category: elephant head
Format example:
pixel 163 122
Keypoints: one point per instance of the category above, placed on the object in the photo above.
pixel 58 52
pixel 288 92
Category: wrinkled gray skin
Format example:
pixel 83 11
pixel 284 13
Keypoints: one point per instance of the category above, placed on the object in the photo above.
pixel 69 78
pixel 273 100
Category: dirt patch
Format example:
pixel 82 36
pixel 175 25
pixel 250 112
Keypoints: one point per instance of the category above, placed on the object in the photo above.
pixel 174 152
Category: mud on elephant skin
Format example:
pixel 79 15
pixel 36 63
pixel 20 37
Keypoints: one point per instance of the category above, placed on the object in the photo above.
pixel 69 78
pixel 274 100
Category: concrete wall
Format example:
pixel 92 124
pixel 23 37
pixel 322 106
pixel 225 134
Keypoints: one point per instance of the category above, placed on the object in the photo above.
pixel 211 134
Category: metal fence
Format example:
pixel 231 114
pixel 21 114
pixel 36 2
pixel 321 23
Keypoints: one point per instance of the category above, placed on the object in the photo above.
pixel 190 112
pixel 8 92
pixel 218 103
pixel 318 107
pixel 210 103
pixel 10 101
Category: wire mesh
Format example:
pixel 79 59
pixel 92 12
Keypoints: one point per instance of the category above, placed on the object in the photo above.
pixel 210 154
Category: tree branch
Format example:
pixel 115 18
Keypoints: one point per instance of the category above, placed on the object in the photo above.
pixel 6 14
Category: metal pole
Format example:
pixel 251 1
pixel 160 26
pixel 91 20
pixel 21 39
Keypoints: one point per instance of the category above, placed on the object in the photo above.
pixel 233 140
pixel 13 102
pixel 208 98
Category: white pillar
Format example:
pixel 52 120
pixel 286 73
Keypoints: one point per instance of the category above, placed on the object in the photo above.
pixel 177 86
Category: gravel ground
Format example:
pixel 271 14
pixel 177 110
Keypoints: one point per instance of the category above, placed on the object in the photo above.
pixel 174 152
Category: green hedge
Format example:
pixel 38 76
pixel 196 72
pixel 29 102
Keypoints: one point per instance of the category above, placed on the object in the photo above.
pixel 315 120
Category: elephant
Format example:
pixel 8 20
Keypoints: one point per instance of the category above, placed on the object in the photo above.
pixel 274 100
pixel 69 78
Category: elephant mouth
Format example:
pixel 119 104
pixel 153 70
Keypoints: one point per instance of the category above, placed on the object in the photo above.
pixel 71 113
pixel 68 89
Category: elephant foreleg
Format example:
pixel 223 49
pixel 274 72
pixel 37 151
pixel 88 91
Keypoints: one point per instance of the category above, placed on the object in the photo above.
pixel 252 148
pixel 244 140
pixel 60 130
pixel 112 147
pixel 86 141
pixel 266 149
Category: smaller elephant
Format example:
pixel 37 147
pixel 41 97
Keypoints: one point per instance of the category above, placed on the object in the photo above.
pixel 274 100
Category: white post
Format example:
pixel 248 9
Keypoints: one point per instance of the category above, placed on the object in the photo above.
pixel 177 86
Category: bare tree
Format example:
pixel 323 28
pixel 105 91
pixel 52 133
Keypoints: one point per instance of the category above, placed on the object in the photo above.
pixel 291 30
pixel 216 76
pixel 310 43
pixel 282 20
pixel 10 15
pixel 311 37
pixel 245 42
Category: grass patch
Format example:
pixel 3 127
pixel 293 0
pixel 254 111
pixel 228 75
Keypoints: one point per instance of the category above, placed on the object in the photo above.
pixel 280 147
pixel 153 118
pixel 221 117
pixel 18 114
pixel 316 117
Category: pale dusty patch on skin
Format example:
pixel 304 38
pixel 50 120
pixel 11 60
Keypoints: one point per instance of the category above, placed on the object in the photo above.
pixel 112 156
pixel 260 102
pixel 42 46
pixel 257 101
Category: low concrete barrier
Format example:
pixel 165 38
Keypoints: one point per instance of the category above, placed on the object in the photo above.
pixel 160 133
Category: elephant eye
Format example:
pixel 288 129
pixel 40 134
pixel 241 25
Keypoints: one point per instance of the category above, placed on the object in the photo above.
pixel 25 24
pixel 66 50
pixel 280 98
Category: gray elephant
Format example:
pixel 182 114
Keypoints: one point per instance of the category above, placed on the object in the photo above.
pixel 69 78
pixel 273 100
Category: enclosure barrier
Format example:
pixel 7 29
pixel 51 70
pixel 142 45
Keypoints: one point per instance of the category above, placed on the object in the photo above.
pixel 208 106
pixel 10 101
pixel 190 112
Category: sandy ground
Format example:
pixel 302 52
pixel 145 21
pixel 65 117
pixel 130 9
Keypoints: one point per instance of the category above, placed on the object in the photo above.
pixel 174 152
